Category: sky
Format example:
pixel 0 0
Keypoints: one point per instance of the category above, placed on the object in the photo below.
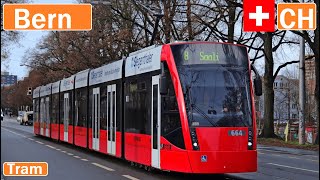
pixel 28 41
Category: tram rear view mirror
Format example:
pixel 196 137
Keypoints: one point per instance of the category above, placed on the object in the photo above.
pixel 257 82
pixel 257 86
pixel 163 85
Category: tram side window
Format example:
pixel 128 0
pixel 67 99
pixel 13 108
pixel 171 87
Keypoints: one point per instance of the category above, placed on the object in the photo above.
pixel 138 109
pixel 103 107
pixel 36 110
pixel 118 106
pixel 42 109
pixel 55 108
pixel 61 108
pixel 170 118
pixel 48 110
pixel 70 113
pixel 90 107
pixel 81 107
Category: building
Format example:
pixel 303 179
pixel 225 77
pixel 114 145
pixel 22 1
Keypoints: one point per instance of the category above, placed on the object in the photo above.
pixel 310 76
pixel 7 79
pixel 286 100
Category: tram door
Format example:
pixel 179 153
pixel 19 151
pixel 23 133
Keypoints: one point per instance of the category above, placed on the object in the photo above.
pixel 111 118
pixel 47 119
pixel 42 116
pixel 66 109
pixel 96 119
pixel 155 123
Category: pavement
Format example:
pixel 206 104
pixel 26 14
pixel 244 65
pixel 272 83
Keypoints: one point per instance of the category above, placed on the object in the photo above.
pixel 288 150
pixel 18 143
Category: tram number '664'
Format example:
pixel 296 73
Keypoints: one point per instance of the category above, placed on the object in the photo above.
pixel 236 133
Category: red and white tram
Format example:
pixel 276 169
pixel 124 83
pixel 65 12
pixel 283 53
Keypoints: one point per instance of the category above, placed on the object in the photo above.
pixel 185 107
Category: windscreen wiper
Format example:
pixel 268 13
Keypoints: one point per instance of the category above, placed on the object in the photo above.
pixel 193 106
pixel 203 114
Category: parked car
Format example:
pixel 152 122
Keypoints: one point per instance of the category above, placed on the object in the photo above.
pixel 26 118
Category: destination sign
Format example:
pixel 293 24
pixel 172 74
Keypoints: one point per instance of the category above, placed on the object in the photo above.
pixel 210 53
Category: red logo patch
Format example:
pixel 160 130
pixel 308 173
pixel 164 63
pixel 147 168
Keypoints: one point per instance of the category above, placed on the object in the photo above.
pixel 258 15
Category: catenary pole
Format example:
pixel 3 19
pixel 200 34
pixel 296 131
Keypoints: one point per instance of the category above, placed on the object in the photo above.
pixel 302 91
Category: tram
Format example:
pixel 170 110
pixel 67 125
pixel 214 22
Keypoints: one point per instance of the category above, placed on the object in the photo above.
pixel 185 107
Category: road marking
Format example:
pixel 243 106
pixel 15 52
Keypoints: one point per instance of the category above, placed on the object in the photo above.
pixel 130 177
pixel 64 151
pixel 312 156
pixel 70 154
pixel 294 167
pixel 14 132
pixel 313 160
pixel 76 157
pixel 84 160
pixel 103 167
pixel 275 154
pixel 292 157
pixel 39 142
pixel 31 139
pixel 58 149
pixel 51 147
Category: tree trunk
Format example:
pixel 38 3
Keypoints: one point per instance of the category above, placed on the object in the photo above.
pixel 232 21
pixel 268 128
pixel 166 5
pixel 190 31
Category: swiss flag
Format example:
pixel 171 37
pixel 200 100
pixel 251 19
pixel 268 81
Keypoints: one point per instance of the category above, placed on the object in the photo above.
pixel 258 15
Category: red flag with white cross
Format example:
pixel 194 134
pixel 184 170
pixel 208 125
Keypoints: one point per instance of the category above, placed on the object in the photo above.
pixel 258 15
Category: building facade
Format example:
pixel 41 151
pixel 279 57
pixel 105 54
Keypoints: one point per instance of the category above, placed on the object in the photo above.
pixel 286 100
pixel 310 76
pixel 7 79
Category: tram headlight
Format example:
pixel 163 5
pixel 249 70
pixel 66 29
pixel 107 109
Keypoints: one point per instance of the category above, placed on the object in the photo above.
pixel 250 139
pixel 194 139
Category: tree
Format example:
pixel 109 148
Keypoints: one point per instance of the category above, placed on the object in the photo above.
pixel 8 37
pixel 312 39
pixel 124 26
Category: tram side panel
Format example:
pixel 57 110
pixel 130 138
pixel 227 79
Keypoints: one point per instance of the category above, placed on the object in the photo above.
pixel 105 118
pixel 142 107
pixel 47 127
pixel 97 125
pixel 66 116
pixel 173 154
pixel 36 123
pixel 55 116
pixel 80 124
pixel 137 113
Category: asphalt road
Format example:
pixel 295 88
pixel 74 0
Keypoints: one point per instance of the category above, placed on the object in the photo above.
pixel 69 162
